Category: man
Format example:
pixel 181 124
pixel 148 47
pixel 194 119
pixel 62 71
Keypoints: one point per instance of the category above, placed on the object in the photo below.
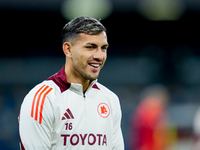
pixel 149 127
pixel 196 130
pixel 71 110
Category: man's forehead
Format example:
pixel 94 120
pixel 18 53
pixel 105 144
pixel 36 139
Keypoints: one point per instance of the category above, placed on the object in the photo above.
pixel 100 38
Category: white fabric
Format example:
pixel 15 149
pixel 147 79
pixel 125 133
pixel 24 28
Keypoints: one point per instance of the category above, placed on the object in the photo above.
pixel 94 122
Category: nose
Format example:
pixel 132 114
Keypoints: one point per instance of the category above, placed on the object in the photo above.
pixel 98 55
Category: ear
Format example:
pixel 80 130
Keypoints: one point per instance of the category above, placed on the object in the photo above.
pixel 67 49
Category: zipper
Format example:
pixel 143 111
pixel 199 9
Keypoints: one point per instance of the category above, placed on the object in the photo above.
pixel 85 106
pixel 84 96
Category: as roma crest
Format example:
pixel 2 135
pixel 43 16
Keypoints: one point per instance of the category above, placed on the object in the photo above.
pixel 103 110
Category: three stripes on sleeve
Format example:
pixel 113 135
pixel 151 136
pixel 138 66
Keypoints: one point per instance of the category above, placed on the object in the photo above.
pixel 38 102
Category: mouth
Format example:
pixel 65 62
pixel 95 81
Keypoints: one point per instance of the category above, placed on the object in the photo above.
pixel 95 65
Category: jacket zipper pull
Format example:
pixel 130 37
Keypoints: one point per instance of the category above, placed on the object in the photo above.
pixel 84 94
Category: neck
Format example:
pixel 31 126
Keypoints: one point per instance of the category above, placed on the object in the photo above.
pixel 74 77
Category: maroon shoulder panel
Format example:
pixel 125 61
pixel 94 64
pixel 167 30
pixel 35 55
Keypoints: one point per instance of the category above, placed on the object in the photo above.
pixel 61 80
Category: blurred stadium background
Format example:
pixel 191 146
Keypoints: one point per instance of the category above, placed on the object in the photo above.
pixel 142 52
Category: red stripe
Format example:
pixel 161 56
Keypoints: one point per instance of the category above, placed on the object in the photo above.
pixel 70 113
pixel 67 116
pixel 38 101
pixel 34 100
pixel 41 107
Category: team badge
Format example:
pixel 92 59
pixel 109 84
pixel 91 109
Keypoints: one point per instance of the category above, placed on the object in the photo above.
pixel 103 110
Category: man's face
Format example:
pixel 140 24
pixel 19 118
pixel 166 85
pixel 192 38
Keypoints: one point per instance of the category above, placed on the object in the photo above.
pixel 89 54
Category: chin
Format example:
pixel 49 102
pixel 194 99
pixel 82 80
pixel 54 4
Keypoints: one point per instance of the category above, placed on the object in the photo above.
pixel 89 77
pixel 93 78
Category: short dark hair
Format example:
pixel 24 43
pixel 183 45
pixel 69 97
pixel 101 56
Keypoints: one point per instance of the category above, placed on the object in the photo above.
pixel 82 24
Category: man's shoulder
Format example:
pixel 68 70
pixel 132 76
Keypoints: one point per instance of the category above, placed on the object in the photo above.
pixel 106 90
pixel 44 87
pixel 45 83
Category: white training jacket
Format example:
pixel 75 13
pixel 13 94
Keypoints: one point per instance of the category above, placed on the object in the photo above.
pixel 57 115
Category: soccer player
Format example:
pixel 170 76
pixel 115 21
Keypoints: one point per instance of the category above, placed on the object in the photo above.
pixel 71 110
pixel 149 127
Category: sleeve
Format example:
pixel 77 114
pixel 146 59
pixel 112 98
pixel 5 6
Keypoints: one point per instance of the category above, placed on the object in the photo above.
pixel 196 130
pixel 118 142
pixel 35 120
pixel 196 123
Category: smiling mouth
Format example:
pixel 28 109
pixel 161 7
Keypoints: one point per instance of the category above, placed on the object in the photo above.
pixel 95 65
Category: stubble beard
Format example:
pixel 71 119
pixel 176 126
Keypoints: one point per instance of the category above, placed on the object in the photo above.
pixel 84 74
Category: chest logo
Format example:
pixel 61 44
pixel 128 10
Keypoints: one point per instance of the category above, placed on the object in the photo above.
pixel 103 110
pixel 68 115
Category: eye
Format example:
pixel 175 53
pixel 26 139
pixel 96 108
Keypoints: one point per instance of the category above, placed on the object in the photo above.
pixel 91 47
pixel 104 48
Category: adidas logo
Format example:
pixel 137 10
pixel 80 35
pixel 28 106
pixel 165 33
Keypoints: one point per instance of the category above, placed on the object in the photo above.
pixel 68 115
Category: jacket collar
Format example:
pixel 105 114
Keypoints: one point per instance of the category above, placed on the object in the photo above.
pixel 61 81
